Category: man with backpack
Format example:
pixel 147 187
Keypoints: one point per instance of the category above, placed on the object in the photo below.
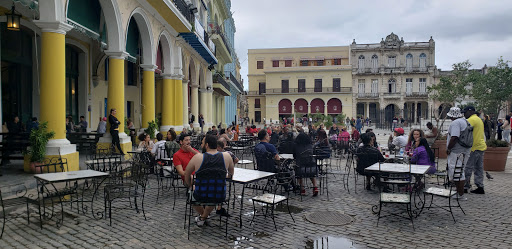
pixel 454 149
pixel 476 159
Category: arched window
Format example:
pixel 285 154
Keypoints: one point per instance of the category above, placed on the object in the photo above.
pixel 408 62
pixel 423 61
pixel 375 63
pixel 391 86
pixel 361 63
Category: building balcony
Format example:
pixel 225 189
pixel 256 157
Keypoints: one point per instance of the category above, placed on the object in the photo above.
pixel 395 95
pixel 200 41
pixel 367 71
pixel 235 82
pixel 218 36
pixel 220 85
pixel 368 95
pixel 416 95
pixel 184 9
pixel 308 90
pixel 416 69
pixel 176 13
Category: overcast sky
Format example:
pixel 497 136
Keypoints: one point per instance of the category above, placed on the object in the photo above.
pixel 478 31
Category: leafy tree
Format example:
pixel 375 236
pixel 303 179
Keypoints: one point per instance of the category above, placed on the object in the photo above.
pixel 451 89
pixel 492 91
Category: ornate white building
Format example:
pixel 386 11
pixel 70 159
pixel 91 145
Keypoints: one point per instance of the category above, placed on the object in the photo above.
pixel 390 78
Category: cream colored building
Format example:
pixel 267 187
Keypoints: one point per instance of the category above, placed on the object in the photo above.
pixel 287 82
pixel 390 78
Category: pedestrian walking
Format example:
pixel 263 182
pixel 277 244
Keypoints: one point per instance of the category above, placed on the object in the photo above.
pixel 114 130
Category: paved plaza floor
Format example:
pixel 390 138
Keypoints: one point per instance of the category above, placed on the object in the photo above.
pixel 487 223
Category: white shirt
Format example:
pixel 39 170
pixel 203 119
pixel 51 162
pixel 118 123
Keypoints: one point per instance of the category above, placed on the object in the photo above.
pixel 400 141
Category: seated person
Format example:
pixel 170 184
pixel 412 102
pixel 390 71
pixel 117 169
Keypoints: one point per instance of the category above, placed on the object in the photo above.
pixel 397 140
pixel 265 153
pixel 182 157
pixel 355 134
pixel 414 139
pixel 286 142
pixel 158 147
pixel 423 155
pixel 366 157
pixel 210 170
pixel 146 144
pixel 306 164
pixel 321 148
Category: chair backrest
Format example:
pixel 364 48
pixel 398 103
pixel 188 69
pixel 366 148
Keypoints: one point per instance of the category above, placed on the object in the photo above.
pixel 459 167
pixel 105 164
pixel 210 185
pixel 305 159
pixel 161 152
pixel 264 161
pixel 51 165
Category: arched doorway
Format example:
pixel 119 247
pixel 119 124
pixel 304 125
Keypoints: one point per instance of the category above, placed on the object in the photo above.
pixel 285 109
pixel 334 108
pixel 317 106
pixel 301 106
pixel 390 112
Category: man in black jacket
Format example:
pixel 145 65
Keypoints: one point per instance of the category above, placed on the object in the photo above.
pixel 114 129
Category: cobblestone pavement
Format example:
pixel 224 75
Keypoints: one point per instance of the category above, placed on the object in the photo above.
pixel 487 224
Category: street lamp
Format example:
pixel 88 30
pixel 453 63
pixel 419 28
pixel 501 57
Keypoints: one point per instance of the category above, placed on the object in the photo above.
pixel 13 20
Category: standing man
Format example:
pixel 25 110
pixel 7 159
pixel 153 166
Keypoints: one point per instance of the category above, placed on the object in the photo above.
pixel 114 129
pixel 454 149
pixel 210 170
pixel 83 124
pixel 476 158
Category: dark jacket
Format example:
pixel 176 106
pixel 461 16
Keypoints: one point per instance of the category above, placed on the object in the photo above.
pixel 366 157
pixel 114 123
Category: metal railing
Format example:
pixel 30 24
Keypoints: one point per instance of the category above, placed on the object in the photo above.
pixel 235 82
pixel 214 28
pixel 392 95
pixel 416 94
pixel 217 78
pixel 184 8
pixel 304 90
pixel 368 95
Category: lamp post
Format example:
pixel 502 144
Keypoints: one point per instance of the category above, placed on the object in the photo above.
pixel 13 20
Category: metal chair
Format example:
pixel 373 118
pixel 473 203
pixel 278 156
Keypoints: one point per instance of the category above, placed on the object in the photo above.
pixel 440 173
pixel 402 195
pixel 270 199
pixel 125 184
pixel 210 187
pixel 21 198
pixel 451 191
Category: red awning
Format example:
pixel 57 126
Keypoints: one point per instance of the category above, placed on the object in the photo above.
pixel 317 105
pixel 334 106
pixel 301 106
pixel 285 106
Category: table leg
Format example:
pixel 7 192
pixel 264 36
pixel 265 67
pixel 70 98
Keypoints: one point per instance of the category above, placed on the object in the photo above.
pixel 242 205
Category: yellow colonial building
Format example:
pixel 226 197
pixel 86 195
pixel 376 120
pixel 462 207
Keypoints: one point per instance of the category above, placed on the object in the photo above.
pixel 149 59
pixel 287 82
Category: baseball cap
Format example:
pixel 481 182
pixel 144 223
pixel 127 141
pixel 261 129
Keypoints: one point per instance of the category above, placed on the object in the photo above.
pixel 399 130
pixel 468 108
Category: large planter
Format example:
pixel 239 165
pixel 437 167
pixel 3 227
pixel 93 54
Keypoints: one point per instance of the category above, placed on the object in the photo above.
pixel 441 145
pixel 495 158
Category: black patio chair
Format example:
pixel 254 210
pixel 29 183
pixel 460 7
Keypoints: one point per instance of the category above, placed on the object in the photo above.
pixel 448 193
pixel 270 199
pixel 402 194
pixel 20 198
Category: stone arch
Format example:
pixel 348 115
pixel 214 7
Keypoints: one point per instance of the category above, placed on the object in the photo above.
pixel 165 43
pixel 146 35
pixel 115 32
pixel 317 106
pixel 301 106
pixel 334 106
pixel 285 106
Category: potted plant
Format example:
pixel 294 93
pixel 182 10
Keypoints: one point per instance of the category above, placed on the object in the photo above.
pixel 492 90
pixel 38 138
pixel 152 129
pixel 451 89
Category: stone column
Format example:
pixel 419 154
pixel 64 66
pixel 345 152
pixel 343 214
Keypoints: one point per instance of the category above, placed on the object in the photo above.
pixel 158 96
pixel 167 103
pixel 219 110
pixel 178 103
pixel 52 99
pixel 367 110
pixel 194 103
pixel 203 106
pixel 148 95
pixel 223 111
pixel 209 107
pixel 184 89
